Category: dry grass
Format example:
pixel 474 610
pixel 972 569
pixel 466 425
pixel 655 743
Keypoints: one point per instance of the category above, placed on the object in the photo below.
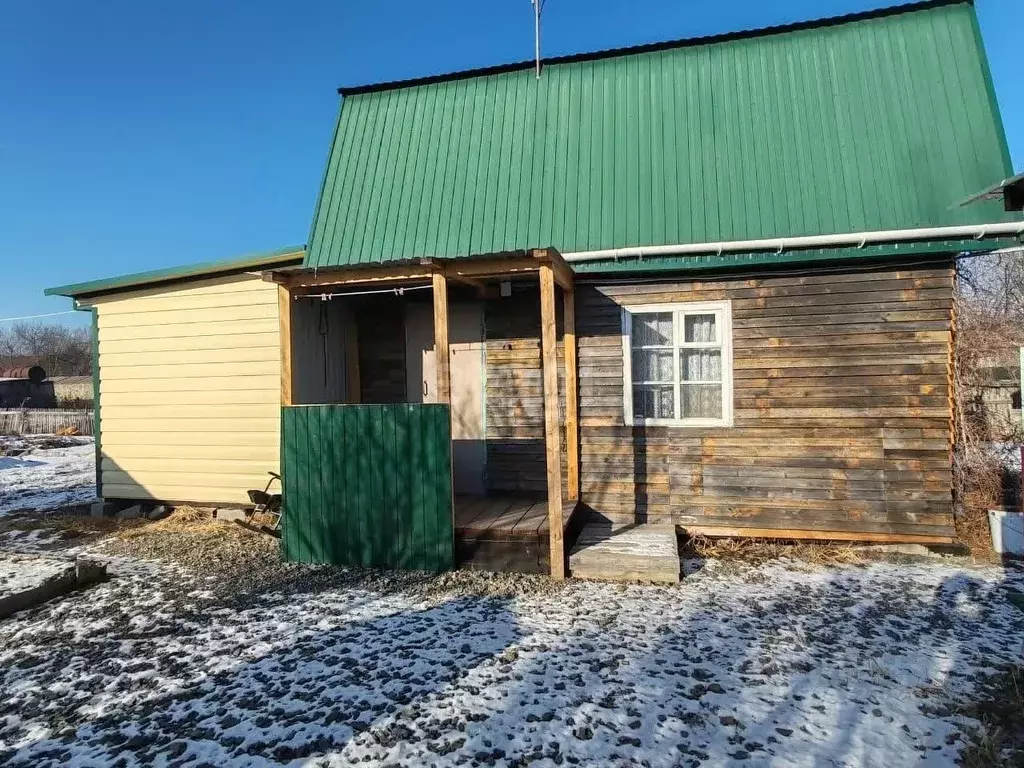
pixel 980 484
pixel 757 551
pixel 183 519
pixel 999 708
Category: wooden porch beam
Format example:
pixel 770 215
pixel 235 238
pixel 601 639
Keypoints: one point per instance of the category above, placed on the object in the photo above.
pixel 284 313
pixel 562 271
pixel 552 443
pixel 363 275
pixel 442 361
pixel 496 267
pixel 463 270
pixel 472 282
pixel 572 434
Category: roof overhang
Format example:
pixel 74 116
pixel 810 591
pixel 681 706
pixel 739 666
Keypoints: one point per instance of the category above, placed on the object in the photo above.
pixel 1010 191
pixel 469 270
pixel 250 263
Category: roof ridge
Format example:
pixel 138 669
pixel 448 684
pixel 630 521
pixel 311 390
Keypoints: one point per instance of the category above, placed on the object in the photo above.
pixel 608 53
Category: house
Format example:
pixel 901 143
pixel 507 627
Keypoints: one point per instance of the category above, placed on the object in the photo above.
pixel 705 283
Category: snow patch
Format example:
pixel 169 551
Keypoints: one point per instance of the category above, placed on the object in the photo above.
pixel 41 479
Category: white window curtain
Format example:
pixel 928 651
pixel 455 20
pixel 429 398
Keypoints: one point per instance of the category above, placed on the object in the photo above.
pixel 678 363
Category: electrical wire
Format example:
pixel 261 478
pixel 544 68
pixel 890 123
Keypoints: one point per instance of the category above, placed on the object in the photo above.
pixel 395 291
pixel 36 317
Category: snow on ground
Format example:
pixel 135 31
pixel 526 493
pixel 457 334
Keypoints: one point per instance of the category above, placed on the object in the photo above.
pixel 779 664
pixel 42 478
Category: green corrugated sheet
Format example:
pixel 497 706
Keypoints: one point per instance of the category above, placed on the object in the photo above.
pixel 879 122
pixel 278 258
pixel 368 485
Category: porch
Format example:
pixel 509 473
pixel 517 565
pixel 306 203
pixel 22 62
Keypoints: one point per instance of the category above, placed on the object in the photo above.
pixel 366 354
pixel 508 533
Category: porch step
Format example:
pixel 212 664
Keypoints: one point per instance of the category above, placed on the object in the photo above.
pixel 640 552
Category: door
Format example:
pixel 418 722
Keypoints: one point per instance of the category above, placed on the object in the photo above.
pixel 466 366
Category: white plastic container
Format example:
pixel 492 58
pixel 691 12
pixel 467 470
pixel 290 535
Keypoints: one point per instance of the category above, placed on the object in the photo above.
pixel 1007 531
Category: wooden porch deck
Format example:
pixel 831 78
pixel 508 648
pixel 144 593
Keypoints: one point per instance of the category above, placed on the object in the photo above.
pixel 504 533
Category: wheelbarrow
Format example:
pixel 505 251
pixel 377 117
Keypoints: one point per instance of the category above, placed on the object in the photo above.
pixel 266 505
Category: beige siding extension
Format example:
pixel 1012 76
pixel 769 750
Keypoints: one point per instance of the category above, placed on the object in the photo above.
pixel 190 390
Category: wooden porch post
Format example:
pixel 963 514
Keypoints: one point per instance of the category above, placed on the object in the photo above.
pixel 572 437
pixel 444 387
pixel 552 443
pixel 284 312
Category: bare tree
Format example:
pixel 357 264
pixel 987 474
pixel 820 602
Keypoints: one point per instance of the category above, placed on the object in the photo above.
pixel 989 329
pixel 61 349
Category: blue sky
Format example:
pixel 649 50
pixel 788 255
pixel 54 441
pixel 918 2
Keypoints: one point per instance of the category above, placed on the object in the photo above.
pixel 138 135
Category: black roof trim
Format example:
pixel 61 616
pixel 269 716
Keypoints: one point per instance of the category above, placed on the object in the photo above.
pixel 894 10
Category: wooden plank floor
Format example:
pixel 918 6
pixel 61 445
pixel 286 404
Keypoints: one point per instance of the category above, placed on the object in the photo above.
pixel 500 518
pixel 504 533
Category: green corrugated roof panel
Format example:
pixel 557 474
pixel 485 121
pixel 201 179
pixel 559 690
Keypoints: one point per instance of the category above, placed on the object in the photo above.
pixel 882 121
pixel 266 260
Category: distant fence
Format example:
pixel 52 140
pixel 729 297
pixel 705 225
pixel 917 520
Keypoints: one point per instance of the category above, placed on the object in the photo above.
pixel 43 421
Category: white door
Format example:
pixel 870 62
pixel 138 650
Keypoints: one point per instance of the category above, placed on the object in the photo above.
pixel 466 365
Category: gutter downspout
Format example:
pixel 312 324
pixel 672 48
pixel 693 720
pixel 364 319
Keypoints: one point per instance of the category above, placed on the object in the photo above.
pixel 779 244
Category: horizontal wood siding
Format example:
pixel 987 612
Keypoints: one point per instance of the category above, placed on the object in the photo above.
pixel 381 331
pixel 515 393
pixel 841 404
pixel 190 390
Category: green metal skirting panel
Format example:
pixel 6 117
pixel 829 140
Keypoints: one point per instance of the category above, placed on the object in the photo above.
pixel 368 485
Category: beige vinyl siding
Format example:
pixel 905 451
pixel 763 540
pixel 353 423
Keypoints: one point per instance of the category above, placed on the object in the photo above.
pixel 190 390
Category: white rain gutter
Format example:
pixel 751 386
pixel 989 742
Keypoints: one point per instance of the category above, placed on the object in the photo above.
pixel 780 244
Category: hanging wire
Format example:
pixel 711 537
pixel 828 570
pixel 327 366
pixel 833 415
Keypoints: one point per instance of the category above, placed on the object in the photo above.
pixel 395 291
pixel 36 317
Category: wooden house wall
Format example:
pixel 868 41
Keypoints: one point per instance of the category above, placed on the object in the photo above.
pixel 514 396
pixel 380 327
pixel 842 411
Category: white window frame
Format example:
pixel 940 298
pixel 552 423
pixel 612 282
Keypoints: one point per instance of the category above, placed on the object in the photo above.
pixel 723 319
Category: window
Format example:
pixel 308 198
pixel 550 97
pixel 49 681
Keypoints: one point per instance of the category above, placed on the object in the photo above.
pixel 677 360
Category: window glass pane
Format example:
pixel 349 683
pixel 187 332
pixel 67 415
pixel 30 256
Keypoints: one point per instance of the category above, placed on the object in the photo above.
pixel 652 329
pixel 654 402
pixel 653 365
pixel 700 328
pixel 701 365
pixel 702 401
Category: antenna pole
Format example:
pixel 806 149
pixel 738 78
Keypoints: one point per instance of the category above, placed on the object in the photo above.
pixel 536 33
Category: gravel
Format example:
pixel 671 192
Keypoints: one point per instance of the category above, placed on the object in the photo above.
pixel 242 563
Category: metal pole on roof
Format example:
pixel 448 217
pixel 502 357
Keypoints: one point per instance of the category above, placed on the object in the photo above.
pixel 536 33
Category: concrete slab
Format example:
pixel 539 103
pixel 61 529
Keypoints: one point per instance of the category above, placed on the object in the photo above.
pixel 641 552
pixel 30 580
pixel 102 509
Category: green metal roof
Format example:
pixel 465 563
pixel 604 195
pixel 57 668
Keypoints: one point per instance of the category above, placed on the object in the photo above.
pixel 266 260
pixel 878 121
